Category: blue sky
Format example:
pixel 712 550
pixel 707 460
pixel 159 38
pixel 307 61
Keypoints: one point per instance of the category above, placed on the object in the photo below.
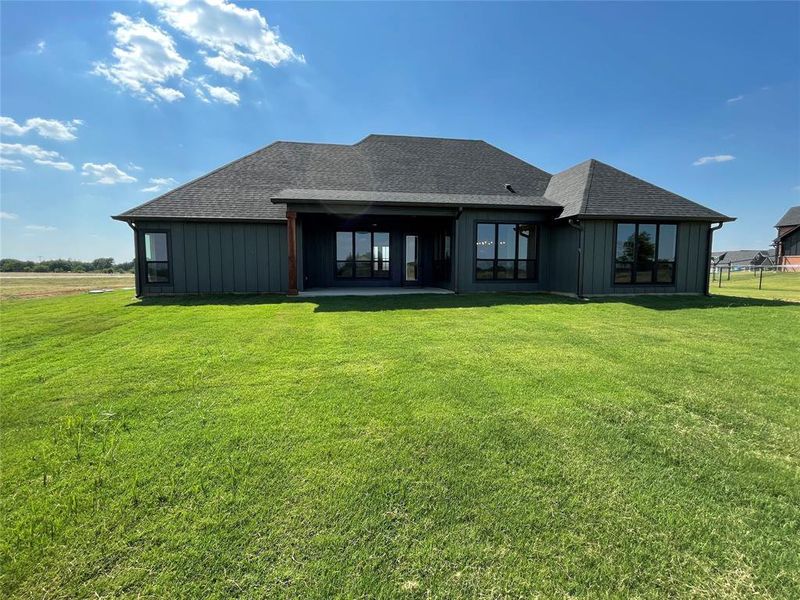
pixel 113 99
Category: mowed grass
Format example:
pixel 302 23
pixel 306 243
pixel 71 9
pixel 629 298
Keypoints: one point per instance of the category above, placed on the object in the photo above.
pixel 783 285
pixel 37 285
pixel 476 446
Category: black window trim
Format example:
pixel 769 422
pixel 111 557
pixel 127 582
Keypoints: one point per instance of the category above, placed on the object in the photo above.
pixel 146 262
pixel 515 279
pixel 652 283
pixel 371 261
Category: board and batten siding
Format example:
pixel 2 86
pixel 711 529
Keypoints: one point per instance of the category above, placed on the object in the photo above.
pixel 691 261
pixel 563 258
pixel 465 250
pixel 219 257
pixel 791 244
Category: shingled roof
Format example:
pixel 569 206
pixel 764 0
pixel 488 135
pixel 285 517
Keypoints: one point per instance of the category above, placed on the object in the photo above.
pixel 385 163
pixel 595 189
pixel 792 217
pixel 436 170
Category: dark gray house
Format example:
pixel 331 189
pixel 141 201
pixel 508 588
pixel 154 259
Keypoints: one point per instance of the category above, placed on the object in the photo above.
pixel 412 211
pixel 787 244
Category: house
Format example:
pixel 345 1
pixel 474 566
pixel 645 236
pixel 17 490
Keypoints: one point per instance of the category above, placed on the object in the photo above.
pixel 787 244
pixel 411 211
pixel 743 259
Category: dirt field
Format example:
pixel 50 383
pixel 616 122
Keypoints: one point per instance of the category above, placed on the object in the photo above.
pixel 38 285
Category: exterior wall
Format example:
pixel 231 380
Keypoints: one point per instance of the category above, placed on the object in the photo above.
pixel 563 258
pixel 212 257
pixel 691 261
pixel 790 244
pixel 465 250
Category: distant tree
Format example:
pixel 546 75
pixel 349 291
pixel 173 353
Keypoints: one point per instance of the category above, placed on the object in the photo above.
pixel 102 264
pixel 64 265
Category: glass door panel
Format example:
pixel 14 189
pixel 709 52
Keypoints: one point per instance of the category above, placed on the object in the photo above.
pixel 411 270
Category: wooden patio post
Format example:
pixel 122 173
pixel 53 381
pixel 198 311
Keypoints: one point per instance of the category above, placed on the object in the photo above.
pixel 291 236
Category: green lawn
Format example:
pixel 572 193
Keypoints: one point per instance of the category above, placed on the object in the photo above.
pixel 774 285
pixel 477 446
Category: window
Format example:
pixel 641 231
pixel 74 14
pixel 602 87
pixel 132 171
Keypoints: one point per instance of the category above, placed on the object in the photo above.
pixel 645 253
pixel 156 257
pixel 362 254
pixel 505 251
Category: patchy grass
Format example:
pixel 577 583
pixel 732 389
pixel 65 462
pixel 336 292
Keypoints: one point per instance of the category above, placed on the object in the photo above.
pixel 778 286
pixel 413 446
pixel 38 285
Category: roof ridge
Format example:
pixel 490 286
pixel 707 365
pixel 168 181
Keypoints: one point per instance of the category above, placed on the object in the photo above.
pixel 196 179
pixel 589 176
pixel 417 137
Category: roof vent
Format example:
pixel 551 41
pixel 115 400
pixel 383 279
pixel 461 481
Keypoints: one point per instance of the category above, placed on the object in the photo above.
pixel 510 189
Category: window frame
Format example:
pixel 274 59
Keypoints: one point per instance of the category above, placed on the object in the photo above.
pixel 515 279
pixel 146 263
pixel 354 261
pixel 654 282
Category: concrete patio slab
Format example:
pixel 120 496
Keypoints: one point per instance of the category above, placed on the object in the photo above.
pixel 372 291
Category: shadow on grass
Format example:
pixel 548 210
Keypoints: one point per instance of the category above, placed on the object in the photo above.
pixel 440 301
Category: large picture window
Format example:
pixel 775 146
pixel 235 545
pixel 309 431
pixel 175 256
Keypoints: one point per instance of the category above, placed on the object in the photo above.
pixel 156 257
pixel 505 251
pixel 645 253
pixel 362 254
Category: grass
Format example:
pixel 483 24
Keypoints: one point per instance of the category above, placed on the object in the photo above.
pixel 37 285
pixel 478 446
pixel 778 286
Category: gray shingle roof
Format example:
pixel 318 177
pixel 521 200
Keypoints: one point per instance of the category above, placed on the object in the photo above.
pixel 792 217
pixel 243 188
pixel 441 169
pixel 755 257
pixel 595 189
pixel 416 198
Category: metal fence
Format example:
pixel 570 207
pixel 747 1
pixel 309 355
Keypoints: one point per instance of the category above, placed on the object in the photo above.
pixel 750 277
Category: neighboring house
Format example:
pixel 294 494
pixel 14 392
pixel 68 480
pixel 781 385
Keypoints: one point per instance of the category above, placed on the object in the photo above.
pixel 742 259
pixel 787 244
pixel 411 211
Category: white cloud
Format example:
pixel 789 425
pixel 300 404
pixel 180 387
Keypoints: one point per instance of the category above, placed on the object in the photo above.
pixel 40 46
pixel 107 174
pixel 237 34
pixel 40 156
pixel 168 94
pixel 8 216
pixel 63 131
pixel 222 94
pixel 226 66
pixel 28 150
pixel 159 184
pixel 134 167
pixel 146 58
pixel 60 165
pixel 734 99
pixel 11 164
pixel 718 158
pixel 41 227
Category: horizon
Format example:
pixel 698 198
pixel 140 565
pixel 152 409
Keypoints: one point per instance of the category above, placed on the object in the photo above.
pixel 106 106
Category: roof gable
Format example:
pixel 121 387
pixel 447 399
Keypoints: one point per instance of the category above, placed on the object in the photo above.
pixel 792 217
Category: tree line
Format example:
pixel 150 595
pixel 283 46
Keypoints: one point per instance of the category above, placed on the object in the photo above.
pixel 65 265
